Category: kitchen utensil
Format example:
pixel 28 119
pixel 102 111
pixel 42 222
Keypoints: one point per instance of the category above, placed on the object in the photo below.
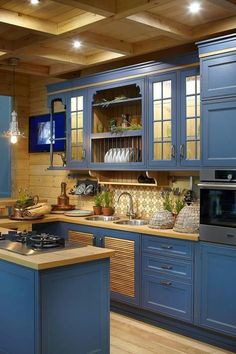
pixel 80 189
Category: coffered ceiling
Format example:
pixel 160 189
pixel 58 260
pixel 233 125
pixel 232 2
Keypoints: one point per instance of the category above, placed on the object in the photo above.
pixel 42 35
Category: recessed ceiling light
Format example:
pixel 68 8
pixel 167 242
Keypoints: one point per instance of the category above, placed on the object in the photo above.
pixel 194 7
pixel 76 44
pixel 34 2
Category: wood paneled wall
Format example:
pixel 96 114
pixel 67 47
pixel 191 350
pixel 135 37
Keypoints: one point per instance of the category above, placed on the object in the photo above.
pixel 20 159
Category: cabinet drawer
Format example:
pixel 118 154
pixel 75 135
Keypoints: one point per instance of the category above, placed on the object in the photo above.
pixel 167 246
pixel 168 266
pixel 218 73
pixel 165 296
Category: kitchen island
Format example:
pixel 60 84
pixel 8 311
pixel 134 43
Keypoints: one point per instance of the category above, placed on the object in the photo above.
pixel 55 302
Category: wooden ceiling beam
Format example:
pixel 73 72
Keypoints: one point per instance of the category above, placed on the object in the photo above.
pixel 214 27
pixel 29 40
pixel 29 22
pixel 106 43
pixel 56 55
pixel 102 57
pixel 78 24
pixel 166 26
pixel 100 7
pixel 155 44
pixel 224 4
pixel 60 69
pixel 126 8
pixel 27 68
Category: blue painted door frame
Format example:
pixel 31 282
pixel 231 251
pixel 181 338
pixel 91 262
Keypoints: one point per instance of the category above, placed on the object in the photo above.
pixel 5 148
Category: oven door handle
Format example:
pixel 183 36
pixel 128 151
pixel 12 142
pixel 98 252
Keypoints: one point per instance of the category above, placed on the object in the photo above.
pixel 217 185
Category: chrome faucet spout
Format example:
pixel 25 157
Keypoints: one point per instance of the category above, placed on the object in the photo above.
pixel 130 212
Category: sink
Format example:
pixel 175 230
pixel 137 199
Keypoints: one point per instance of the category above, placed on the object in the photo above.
pixel 102 218
pixel 135 222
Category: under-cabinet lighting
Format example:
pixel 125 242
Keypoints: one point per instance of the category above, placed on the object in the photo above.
pixel 194 7
pixel 76 44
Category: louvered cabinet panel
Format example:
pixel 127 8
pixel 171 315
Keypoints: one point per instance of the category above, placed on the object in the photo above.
pixel 122 269
pixel 82 238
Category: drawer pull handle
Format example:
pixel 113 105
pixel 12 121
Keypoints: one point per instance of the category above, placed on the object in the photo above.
pixel 230 235
pixel 167 247
pixel 166 283
pixel 166 267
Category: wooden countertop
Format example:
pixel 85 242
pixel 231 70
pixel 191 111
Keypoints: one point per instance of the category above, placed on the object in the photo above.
pixel 107 225
pixel 62 257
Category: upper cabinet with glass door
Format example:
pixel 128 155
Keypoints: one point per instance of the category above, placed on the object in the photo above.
pixel 117 126
pixel 162 120
pixel 189 149
pixel 77 142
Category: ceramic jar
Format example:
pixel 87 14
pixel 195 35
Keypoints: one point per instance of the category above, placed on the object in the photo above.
pixel 162 219
pixel 188 219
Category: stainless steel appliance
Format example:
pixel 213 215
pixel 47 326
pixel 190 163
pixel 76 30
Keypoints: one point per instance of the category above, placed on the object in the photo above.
pixel 31 243
pixel 218 206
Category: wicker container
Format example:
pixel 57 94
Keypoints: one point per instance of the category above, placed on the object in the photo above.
pixel 162 219
pixel 188 219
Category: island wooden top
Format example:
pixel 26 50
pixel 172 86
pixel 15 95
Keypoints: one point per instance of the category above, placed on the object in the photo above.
pixel 58 258
pixel 105 224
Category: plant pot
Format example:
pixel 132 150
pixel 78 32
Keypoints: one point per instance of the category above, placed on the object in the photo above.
pixel 97 210
pixel 107 211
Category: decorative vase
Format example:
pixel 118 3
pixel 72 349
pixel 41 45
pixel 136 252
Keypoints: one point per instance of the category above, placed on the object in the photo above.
pixel 107 211
pixel 97 210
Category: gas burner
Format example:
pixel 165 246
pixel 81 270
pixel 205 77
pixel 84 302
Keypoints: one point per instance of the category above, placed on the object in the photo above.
pixel 45 241
pixel 19 236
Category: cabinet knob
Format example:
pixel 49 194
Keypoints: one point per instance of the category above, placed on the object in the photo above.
pixel 181 151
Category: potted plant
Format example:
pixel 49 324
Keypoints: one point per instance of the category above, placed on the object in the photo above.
pixel 107 209
pixel 97 208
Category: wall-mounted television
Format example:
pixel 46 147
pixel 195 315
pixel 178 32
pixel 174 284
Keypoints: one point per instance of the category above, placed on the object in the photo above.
pixel 39 132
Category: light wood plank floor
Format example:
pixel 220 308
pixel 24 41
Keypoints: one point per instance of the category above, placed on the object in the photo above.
pixel 129 336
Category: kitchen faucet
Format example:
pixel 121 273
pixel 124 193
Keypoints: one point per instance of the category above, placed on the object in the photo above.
pixel 130 211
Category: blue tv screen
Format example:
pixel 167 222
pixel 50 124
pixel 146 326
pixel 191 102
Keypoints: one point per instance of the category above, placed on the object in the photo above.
pixel 39 132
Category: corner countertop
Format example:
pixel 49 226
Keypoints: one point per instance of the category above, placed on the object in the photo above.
pixel 5 222
pixel 59 258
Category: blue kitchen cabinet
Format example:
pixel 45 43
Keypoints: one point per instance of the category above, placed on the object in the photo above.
pixel 114 110
pixel 162 129
pixel 167 277
pixel 218 133
pixel 5 150
pixel 174 119
pixel 189 125
pixel 59 310
pixel 215 294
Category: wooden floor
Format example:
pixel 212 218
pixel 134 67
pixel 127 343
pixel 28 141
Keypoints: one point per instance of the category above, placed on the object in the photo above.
pixel 129 336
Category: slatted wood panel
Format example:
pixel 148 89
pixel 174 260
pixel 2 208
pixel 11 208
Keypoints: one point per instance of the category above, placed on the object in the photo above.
pixel 122 273
pixel 82 238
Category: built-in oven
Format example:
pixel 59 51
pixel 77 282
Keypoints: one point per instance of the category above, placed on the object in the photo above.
pixel 218 206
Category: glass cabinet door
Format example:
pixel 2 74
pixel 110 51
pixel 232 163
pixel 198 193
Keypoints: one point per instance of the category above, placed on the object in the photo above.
pixel 189 149
pixel 77 143
pixel 162 122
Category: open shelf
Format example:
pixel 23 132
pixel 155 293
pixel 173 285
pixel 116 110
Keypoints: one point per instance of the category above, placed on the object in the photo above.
pixel 124 133
pixel 130 178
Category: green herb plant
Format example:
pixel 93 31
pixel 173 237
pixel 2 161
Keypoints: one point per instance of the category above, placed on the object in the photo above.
pixel 106 199
pixel 179 204
pixel 98 199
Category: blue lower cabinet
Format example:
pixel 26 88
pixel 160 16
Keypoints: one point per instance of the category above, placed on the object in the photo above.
pixel 168 297
pixel 215 298
pixel 17 304
pixel 75 309
pixel 56 311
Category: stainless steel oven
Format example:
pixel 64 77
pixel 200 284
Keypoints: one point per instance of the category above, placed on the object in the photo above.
pixel 218 206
